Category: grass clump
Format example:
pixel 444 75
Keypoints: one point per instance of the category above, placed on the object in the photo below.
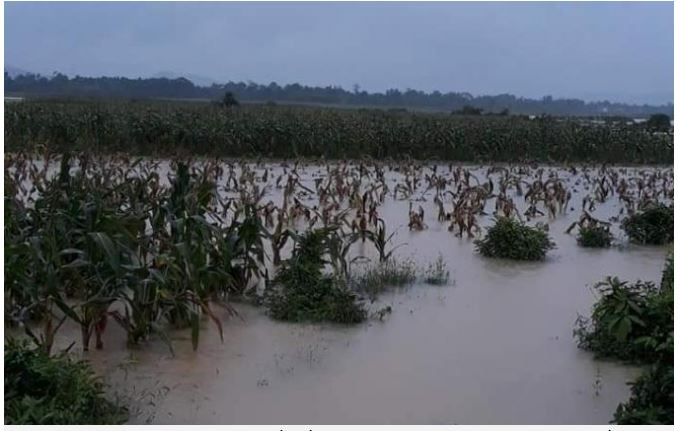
pixel 436 273
pixel 44 390
pixel 653 225
pixel 301 291
pixel 512 239
pixel 597 236
pixel 377 278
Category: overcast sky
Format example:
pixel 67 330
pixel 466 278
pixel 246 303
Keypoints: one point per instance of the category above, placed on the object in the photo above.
pixel 619 51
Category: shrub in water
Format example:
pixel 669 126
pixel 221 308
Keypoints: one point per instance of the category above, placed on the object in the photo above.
pixel 302 292
pixel 651 401
pixel 512 239
pixel 40 389
pixel 597 236
pixel 634 322
pixel 630 321
pixel 653 225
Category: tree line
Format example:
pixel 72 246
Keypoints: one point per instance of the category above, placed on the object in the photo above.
pixel 60 85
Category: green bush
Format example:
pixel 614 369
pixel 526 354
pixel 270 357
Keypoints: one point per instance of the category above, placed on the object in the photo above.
pixel 653 225
pixel 634 322
pixel 512 239
pixel 302 292
pixel 651 401
pixel 594 236
pixel 42 390
pixel 631 322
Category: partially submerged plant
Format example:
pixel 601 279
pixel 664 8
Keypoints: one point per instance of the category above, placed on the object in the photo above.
pixel 592 232
pixel 44 390
pixel 512 239
pixel 381 240
pixel 651 402
pixel 630 321
pixel 634 322
pixel 301 291
pixel 437 273
pixel 378 277
pixel 652 225
pixel 594 237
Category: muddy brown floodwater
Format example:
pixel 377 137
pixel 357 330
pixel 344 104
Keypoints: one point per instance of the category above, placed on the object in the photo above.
pixel 494 346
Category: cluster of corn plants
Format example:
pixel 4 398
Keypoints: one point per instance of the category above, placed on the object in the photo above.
pixel 99 233
pixel 166 128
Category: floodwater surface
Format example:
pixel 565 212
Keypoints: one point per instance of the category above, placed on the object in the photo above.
pixel 494 346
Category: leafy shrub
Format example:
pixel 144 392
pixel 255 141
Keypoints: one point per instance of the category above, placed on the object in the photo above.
pixel 40 389
pixel 634 322
pixel 302 292
pixel 512 239
pixel 653 225
pixel 651 401
pixel 594 236
pixel 629 321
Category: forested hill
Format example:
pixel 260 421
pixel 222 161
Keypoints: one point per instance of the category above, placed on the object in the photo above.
pixel 60 85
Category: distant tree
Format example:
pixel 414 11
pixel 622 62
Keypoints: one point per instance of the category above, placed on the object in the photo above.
pixel 659 122
pixel 468 110
pixel 229 100
pixel 59 85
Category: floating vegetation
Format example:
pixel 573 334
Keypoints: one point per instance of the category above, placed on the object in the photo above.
pixel 653 225
pixel 512 239
pixel 53 390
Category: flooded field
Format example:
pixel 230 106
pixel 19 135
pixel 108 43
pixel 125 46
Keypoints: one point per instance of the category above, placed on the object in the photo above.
pixel 494 345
